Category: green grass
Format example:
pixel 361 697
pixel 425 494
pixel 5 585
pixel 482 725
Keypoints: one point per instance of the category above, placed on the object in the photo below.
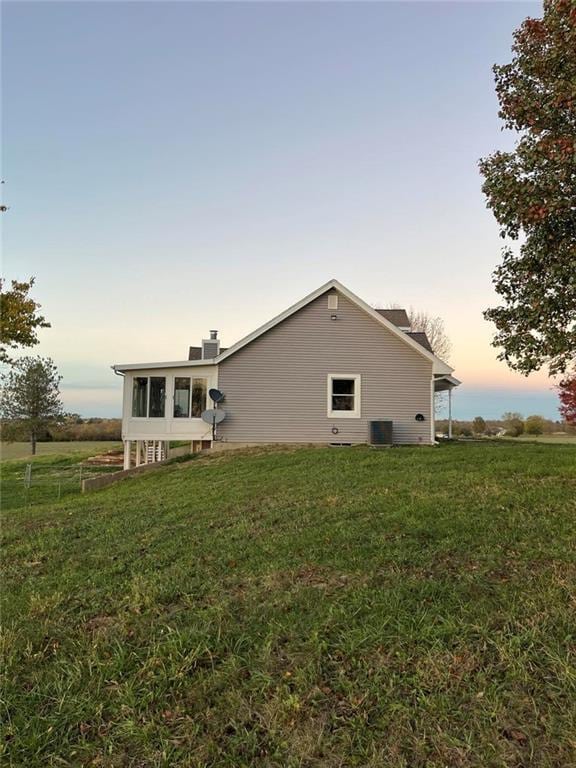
pixel 551 439
pixel 408 608
pixel 10 451
pixel 49 479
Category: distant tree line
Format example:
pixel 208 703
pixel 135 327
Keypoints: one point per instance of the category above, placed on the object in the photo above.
pixel 69 428
pixel 511 424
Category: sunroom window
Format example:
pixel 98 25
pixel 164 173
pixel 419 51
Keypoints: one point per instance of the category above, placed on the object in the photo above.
pixel 140 396
pixel 181 397
pixel 157 397
pixel 199 387
pixel 343 396
pixel 189 397
pixel 148 396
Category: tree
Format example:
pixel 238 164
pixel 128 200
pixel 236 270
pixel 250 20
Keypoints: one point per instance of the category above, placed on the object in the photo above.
pixel 432 326
pixel 434 329
pixel 479 426
pixel 534 425
pixel 19 318
pixel 30 398
pixel 532 193
pixel 567 395
pixel 513 423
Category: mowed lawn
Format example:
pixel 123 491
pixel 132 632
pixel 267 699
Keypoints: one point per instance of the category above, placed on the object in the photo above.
pixel 403 608
pixel 554 439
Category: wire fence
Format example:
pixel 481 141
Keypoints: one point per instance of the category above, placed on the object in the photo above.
pixel 35 484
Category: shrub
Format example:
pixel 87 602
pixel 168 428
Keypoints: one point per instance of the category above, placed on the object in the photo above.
pixel 535 425
pixel 479 426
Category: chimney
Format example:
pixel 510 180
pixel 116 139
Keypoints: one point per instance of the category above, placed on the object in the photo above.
pixel 211 346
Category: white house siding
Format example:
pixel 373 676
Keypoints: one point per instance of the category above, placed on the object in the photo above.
pixel 276 386
pixel 167 428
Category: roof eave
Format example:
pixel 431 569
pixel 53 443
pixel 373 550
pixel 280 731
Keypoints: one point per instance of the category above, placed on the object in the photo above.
pixel 439 366
pixel 277 319
pixel 169 364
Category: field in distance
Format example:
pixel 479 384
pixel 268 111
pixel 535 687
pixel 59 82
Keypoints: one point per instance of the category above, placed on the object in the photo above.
pixel 9 451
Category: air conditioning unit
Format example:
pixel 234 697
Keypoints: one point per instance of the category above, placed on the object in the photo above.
pixel 380 433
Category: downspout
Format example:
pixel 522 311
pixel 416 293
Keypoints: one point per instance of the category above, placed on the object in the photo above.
pixel 126 443
pixel 432 413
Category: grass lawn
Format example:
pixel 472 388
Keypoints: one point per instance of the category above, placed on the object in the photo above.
pixel 49 478
pixel 552 439
pixel 407 608
pixel 9 451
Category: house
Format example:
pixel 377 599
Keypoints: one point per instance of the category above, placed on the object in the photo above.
pixel 320 372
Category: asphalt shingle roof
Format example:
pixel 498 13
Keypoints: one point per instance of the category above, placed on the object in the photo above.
pixel 396 316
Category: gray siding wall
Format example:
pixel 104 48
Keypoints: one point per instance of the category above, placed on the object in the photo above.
pixel 276 387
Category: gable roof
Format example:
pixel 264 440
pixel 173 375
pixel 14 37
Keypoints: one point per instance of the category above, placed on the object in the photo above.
pixel 195 353
pixel 397 316
pixel 421 338
pixel 439 366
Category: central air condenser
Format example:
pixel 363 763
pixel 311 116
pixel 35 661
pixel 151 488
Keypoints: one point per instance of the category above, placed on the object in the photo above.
pixel 380 433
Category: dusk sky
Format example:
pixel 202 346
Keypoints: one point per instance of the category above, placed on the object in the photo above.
pixel 176 167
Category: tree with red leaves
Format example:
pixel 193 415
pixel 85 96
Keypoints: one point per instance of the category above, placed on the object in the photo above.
pixel 532 193
pixel 567 395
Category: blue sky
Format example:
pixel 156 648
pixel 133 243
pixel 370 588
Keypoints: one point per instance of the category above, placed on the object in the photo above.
pixel 175 167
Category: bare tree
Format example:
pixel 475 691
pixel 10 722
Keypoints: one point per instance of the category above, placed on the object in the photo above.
pixel 433 327
pixel 436 334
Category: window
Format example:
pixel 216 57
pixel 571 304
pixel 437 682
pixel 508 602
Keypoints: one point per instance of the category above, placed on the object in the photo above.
pixel 157 397
pixel 332 301
pixel 139 395
pixel 198 397
pixel 181 397
pixel 343 396
pixel 148 396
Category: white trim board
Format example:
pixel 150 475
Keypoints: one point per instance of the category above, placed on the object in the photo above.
pixel 357 412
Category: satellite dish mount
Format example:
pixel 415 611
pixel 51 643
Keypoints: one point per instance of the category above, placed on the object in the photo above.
pixel 214 415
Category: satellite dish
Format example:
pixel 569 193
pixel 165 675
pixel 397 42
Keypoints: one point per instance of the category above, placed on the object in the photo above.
pixel 215 395
pixel 213 416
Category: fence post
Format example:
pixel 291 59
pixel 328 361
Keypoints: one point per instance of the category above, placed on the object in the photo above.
pixel 28 475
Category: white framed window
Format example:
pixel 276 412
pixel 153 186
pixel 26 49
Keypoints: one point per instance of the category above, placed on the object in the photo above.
pixel 181 397
pixel 148 397
pixel 332 301
pixel 343 396
pixel 189 397
pixel 199 389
